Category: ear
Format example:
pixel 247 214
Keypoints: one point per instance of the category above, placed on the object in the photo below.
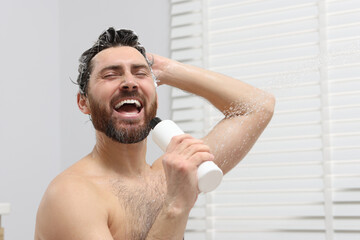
pixel 83 103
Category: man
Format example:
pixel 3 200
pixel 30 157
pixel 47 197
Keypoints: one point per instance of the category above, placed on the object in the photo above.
pixel 112 193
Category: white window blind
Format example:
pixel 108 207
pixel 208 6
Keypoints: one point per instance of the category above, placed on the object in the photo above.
pixel 301 180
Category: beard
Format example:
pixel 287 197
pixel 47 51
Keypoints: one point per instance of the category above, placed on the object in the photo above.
pixel 103 121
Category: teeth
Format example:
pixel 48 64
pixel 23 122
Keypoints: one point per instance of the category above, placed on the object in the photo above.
pixel 128 101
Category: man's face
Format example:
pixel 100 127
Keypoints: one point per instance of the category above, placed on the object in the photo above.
pixel 121 94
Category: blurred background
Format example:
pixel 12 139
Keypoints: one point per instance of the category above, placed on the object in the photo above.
pixel 42 130
pixel 302 178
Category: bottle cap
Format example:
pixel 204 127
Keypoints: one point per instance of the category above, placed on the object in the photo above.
pixel 154 122
pixel 209 176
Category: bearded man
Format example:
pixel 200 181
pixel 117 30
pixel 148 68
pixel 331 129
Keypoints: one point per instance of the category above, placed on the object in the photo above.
pixel 112 193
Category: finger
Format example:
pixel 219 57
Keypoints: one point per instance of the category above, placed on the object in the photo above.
pixel 150 58
pixel 200 157
pixel 177 140
pixel 194 148
pixel 189 146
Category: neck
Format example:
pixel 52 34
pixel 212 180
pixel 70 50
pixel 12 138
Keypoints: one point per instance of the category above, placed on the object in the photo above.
pixel 122 159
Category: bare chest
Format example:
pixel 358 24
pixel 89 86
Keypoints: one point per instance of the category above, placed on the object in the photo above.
pixel 138 204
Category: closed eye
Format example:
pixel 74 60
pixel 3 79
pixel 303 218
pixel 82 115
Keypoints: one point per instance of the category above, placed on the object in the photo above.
pixel 111 76
pixel 141 74
pixel 140 70
pixel 110 72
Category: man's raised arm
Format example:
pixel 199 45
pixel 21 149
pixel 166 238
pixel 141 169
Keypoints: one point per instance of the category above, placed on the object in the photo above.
pixel 247 110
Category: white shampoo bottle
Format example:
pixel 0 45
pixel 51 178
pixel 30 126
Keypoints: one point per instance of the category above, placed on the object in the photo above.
pixel 209 174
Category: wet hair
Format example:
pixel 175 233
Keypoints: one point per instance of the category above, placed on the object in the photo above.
pixel 109 38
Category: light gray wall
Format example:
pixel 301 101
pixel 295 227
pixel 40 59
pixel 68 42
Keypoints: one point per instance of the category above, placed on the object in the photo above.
pixel 82 21
pixel 29 109
pixel 41 130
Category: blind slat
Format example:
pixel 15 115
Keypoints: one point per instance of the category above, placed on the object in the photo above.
pixel 301 179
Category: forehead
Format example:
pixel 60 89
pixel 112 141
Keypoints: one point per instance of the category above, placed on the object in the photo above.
pixel 117 56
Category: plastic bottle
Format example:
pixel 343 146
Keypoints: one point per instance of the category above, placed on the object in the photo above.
pixel 209 174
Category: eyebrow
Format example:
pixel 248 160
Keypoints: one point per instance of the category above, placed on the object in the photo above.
pixel 137 66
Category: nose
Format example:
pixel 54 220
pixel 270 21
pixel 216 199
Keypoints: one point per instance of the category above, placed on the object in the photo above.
pixel 129 84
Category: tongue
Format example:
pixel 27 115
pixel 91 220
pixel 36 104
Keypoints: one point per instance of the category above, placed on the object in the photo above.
pixel 128 108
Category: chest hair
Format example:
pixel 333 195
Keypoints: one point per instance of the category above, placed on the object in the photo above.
pixel 141 200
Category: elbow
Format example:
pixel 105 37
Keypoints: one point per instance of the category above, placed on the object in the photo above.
pixel 265 109
pixel 269 106
pixel 271 103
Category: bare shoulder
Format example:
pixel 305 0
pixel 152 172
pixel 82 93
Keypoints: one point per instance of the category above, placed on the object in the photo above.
pixel 66 188
pixel 70 207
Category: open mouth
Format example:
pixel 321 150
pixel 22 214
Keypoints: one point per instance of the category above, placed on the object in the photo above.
pixel 129 107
